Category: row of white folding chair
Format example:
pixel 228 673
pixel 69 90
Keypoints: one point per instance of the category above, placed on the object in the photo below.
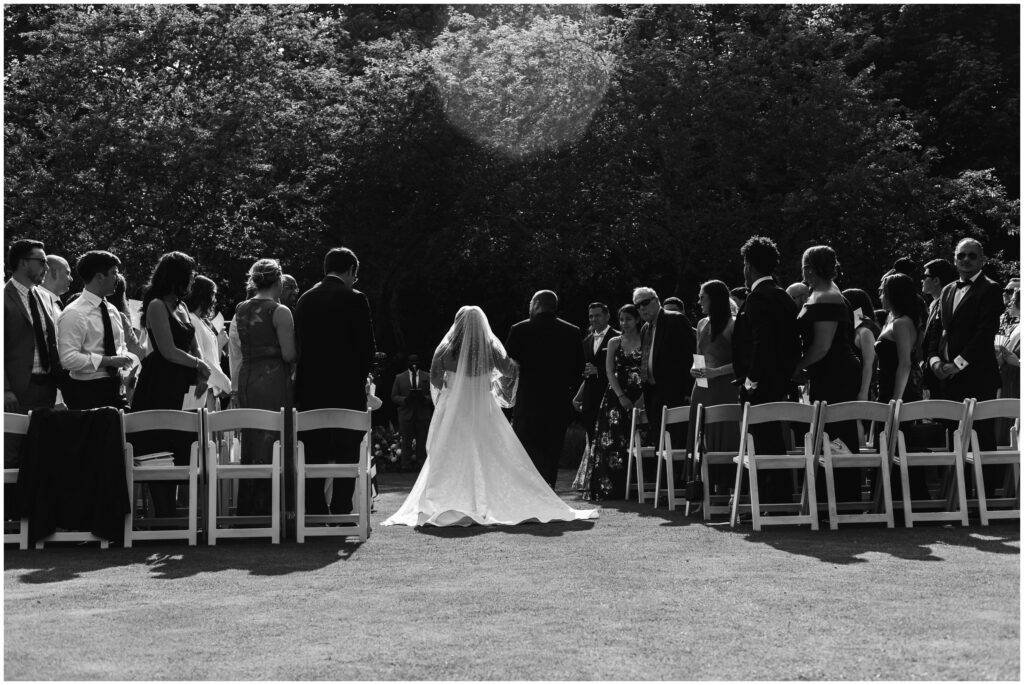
pixel 15 531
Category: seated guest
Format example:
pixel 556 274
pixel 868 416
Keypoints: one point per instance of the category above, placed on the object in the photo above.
pixel 173 364
pixel 864 336
pixel 91 338
pixel 57 280
pixel 31 360
pixel 201 301
pixel 262 350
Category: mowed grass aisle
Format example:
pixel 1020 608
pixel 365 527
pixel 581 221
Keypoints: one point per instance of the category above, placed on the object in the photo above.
pixel 641 594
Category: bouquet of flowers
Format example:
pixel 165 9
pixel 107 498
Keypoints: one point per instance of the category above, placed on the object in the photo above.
pixel 386 447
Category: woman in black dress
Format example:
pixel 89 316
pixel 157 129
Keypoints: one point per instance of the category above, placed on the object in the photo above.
pixel 825 324
pixel 864 336
pixel 897 343
pixel 172 366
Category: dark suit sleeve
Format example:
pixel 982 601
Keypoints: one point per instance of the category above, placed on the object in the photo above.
pixel 365 321
pixel 933 337
pixel 396 393
pixel 981 340
pixel 688 342
pixel 759 313
pixel 512 344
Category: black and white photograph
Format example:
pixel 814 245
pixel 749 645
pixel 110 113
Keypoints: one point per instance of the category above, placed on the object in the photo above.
pixel 511 342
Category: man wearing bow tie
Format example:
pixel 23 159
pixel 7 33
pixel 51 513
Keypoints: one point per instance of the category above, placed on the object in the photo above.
pixel 959 344
pixel 31 361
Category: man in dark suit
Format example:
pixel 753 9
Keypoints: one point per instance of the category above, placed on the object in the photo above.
pixel 765 348
pixel 960 343
pixel 595 372
pixel 937 274
pixel 550 357
pixel 334 337
pixel 667 348
pixel 411 395
pixel 31 360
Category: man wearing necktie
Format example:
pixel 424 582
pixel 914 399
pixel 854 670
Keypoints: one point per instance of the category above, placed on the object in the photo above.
pixel 31 363
pixel 411 395
pixel 960 343
pixel 91 338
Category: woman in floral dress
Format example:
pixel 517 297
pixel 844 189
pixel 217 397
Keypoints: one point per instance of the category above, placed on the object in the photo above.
pixel 602 473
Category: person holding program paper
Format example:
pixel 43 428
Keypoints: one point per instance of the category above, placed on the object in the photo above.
pixel 714 347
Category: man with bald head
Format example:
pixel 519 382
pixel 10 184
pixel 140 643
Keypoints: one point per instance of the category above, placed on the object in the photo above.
pixel 550 360
pixel 57 280
pixel 289 291
pixel 799 292
pixel 959 345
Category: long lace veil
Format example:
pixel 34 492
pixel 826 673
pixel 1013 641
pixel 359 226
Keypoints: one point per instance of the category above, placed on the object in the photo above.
pixel 479 360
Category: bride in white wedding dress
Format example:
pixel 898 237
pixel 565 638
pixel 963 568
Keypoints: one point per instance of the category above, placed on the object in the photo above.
pixel 477 472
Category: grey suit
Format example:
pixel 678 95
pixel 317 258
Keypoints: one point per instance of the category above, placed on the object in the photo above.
pixel 33 392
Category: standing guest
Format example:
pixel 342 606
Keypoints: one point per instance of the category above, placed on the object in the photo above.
pixel 57 280
pixel 91 338
pixel 262 350
pixel 937 274
pixel 120 302
pixel 602 472
pixel 962 338
pixel 799 292
pixel 595 375
pixel 739 296
pixel 1008 320
pixel 1008 355
pixel 411 394
pixel 765 348
pixel 289 291
pixel 668 346
pixel 864 336
pixel 897 342
pixel 549 355
pixel 172 366
pixel 31 360
pixel 334 337
pixel 201 302
pixel 674 304
pixel 714 342
pixel 826 329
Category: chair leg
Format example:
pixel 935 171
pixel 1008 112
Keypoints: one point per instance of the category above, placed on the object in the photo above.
pixel 670 484
pixel 908 503
pixel 211 500
pixel 641 487
pixel 736 492
pixel 961 487
pixel 707 488
pixel 129 520
pixel 657 482
pixel 629 467
pixel 883 474
pixel 275 501
pixel 300 495
pixel 193 508
pixel 830 491
pixel 755 496
pixel 812 491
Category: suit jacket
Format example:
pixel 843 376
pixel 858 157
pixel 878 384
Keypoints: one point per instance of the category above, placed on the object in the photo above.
pixel 969 332
pixel 20 340
pixel 595 386
pixel 765 342
pixel 400 393
pixel 672 356
pixel 550 359
pixel 334 337
pixel 931 331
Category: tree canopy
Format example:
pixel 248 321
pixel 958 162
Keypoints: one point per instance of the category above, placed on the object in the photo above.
pixel 474 154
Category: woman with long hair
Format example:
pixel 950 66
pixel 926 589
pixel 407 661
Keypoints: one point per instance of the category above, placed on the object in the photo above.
pixel 897 342
pixel 173 364
pixel 864 335
pixel 602 472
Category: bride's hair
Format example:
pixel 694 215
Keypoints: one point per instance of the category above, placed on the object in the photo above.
pixel 476 351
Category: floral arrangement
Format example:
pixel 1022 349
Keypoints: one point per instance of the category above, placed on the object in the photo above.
pixel 386 447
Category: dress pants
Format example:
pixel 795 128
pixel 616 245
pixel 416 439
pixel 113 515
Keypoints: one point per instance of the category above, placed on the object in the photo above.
pixel 655 400
pixel 542 437
pixel 416 427
pixel 325 446
pixel 102 392
pixel 777 485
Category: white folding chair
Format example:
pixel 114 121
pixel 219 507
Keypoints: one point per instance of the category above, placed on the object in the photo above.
pixel 170 528
pixel 668 455
pixel 879 458
pixel 15 531
pixel 636 454
pixel 952 455
pixel 219 468
pixel 708 416
pixel 311 524
pixel 1005 507
pixel 754 462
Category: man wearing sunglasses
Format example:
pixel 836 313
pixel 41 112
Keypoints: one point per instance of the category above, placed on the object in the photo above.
pixel 959 346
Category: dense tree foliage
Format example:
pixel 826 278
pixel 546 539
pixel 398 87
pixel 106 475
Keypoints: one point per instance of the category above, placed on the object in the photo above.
pixel 473 154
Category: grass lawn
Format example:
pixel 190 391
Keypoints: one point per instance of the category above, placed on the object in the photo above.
pixel 640 594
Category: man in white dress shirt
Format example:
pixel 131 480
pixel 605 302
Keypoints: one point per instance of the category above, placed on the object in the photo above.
pixel 57 280
pixel 91 338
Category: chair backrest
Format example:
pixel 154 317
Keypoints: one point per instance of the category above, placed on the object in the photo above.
pixel 16 424
pixel 856 411
pixel 1008 408
pixel 720 413
pixel 240 419
pixel 675 415
pixel 781 411
pixel 941 410
pixel 163 419
pixel 317 419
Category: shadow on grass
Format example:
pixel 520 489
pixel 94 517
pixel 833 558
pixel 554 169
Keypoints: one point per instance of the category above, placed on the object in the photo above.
pixel 849 544
pixel 542 530
pixel 54 565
